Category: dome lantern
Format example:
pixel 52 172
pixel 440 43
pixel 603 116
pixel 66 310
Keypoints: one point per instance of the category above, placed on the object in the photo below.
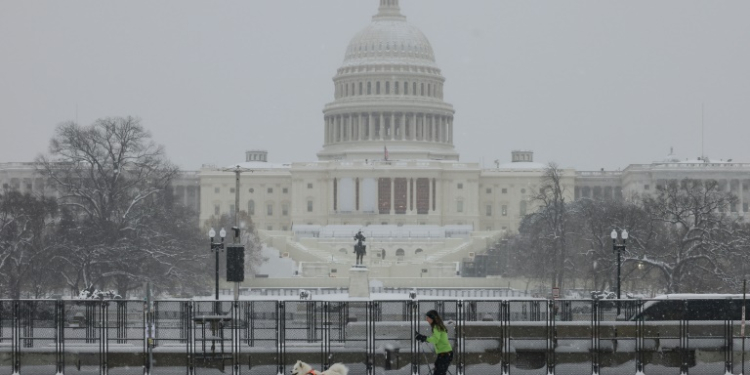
pixel 389 9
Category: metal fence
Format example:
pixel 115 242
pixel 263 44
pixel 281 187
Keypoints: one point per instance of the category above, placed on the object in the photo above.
pixel 370 337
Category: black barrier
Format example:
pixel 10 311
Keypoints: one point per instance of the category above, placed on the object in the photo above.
pixel 532 336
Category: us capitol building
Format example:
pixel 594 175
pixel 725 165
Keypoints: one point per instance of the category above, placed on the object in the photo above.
pixel 388 166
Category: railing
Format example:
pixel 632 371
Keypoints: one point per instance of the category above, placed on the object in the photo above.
pixel 489 336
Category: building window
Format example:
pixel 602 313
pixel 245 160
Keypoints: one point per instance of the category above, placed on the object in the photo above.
pixel 489 191
pixel 459 205
pixel 269 209
pixel 406 88
pixel 335 194
pixel 505 191
pixel 217 210
pixel 251 207
pixel 217 190
pixel 369 88
pixel 522 208
pixel 384 196
pixel 285 190
pixel 434 193
pixel 504 210
pixel 270 227
pixel 489 210
pixel 460 186
pixel 285 210
pixel 399 200
pixel 360 88
pixel 387 88
pixel 309 185
pixel 231 190
pixel 309 206
pixel 423 196
pixel 231 209
pixel 377 88
pixel 396 88
pixel 270 190
pixel 251 190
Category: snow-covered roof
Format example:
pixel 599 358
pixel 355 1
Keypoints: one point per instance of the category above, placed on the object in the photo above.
pixel 260 165
pixel 522 165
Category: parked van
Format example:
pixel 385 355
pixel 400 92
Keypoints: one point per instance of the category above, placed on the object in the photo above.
pixel 694 307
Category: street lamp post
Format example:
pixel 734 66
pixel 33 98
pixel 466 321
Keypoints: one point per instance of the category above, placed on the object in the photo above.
pixel 619 247
pixel 216 247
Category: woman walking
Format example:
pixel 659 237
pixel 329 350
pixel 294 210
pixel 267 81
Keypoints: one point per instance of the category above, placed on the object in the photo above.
pixel 439 340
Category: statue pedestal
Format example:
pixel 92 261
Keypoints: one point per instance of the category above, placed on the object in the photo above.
pixel 359 282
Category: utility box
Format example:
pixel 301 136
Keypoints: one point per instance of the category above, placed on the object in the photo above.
pixel 236 263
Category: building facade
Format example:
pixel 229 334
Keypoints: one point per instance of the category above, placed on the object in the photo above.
pixel 388 156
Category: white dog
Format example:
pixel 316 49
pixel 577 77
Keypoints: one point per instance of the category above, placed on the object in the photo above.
pixel 302 368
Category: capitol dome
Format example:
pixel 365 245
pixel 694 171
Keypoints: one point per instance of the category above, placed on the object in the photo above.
pixel 389 39
pixel 388 95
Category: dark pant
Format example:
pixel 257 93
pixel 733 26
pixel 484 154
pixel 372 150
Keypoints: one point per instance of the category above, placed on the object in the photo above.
pixel 442 363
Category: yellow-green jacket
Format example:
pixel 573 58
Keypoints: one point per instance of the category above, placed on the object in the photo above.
pixel 439 339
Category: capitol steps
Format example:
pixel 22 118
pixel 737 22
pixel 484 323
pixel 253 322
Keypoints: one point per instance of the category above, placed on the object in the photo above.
pixel 322 255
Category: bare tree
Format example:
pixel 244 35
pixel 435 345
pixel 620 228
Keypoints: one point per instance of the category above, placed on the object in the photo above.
pixel 694 234
pixel 553 215
pixel 113 181
pixel 594 222
pixel 25 245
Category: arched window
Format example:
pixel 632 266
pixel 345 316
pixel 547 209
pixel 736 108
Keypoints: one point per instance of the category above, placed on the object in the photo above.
pixel 417 251
pixel 369 88
pixel 360 88
pixel 387 88
pixel 342 250
pixel 406 88
pixel 377 88
pixel 400 253
pixel 251 207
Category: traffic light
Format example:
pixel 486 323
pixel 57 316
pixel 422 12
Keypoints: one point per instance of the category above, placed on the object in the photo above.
pixel 236 263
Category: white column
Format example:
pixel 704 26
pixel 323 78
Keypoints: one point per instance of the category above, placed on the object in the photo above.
pixel 327 133
pixel 414 127
pixel 361 127
pixel 337 130
pixel 404 126
pixel 450 130
pixel 371 128
pixel 445 130
pixel 432 128
pixel 352 128
pixel 437 128
pixel 393 192
pixel 382 126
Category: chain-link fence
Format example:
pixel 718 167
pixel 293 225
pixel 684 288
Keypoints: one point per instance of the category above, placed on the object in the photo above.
pixel 503 336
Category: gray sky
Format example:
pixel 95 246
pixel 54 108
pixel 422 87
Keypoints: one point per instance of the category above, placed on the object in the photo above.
pixel 588 84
